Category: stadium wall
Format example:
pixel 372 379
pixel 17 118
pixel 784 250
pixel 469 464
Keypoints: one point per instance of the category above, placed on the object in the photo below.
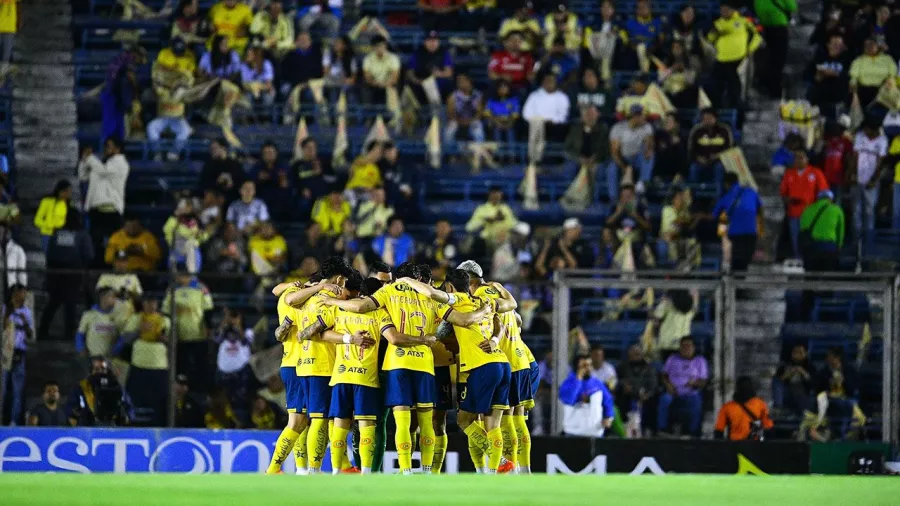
pixel 121 450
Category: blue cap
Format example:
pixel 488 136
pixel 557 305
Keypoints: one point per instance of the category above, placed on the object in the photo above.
pixel 826 194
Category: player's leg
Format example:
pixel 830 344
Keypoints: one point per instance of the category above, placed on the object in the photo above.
pixel 499 376
pixel 341 419
pixel 339 443
pixel 288 438
pixel 366 405
pixel 413 428
pixel 472 401
pixel 510 439
pixel 380 424
pixel 399 397
pixel 317 408
pixel 439 423
pixel 346 465
pixel 523 435
pixel 425 400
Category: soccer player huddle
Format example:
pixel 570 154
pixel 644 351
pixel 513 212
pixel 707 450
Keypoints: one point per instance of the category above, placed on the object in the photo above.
pixel 336 368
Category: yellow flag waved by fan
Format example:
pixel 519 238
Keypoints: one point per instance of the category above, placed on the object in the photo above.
pixel 302 134
pixel 341 144
pixel 528 188
pixel 433 142
pixel 378 132
pixel 579 194
pixel 703 101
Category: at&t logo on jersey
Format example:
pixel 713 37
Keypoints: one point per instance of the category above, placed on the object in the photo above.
pixel 400 352
pixel 342 369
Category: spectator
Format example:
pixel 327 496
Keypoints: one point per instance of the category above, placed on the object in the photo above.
pixel 324 15
pixel 15 260
pixel 799 188
pixel 836 156
pixel 784 155
pixel 371 217
pixel 314 244
pixel 882 27
pixel 48 412
pixel 685 376
pixel 563 24
pixel 249 211
pixel 830 74
pixel 51 212
pixel 638 385
pixel 586 144
pixel 735 39
pixel 671 151
pixel 525 25
pixel 221 61
pixel 222 172
pixel 440 14
pixel 559 63
pixel 631 147
pixel 442 250
pixel 550 105
pixel 194 304
pixel 671 321
pixel 233 358
pixel 465 107
pixel 10 214
pixel 869 71
pixel 268 251
pixel 395 246
pixel 631 223
pixel 706 142
pixel 894 152
pixel 330 212
pixel 312 174
pixel 302 62
pixel 70 248
pixel 232 19
pixel 774 16
pixel 148 377
pixel 364 174
pixel 273 182
pixel 339 64
pixel 120 92
pixel 429 60
pixel 227 253
pixel 99 399
pixel 684 29
pixel 185 237
pixel 746 416
pixel 124 284
pixel 869 149
pixel 309 266
pixel 258 78
pixel 588 408
pixel 502 112
pixel 833 22
pixel 173 72
pixel 265 415
pixel 188 410
pixel 97 332
pixel 677 235
pixel 601 369
pixel 837 391
pixel 512 64
pixel 10 22
pixel 273 29
pixel 491 217
pixel 219 414
pixel 137 242
pixel 511 253
pixel 18 320
pixel 381 70
pixel 211 212
pixel 679 76
pixel 105 200
pixel 401 182
pixel 591 93
pixel 823 222
pixel 740 214
pixel 348 244
pixel 793 382
pixel 644 30
pixel 188 25
pixel 570 239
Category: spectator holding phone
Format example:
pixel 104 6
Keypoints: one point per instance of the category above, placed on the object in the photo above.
pixel 588 408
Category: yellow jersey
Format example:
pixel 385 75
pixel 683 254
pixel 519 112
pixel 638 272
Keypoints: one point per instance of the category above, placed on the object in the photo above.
pixel 354 365
pixel 470 355
pixel 511 343
pixel 316 356
pixel 364 174
pixel 415 315
pixel 290 356
pixel 9 21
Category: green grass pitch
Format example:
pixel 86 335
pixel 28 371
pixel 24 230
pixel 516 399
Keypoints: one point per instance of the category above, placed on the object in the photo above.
pixel 463 490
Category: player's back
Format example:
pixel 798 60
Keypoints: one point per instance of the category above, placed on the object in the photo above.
pixel 316 356
pixel 412 314
pixel 353 364
pixel 470 355
pixel 511 343
pixel 290 356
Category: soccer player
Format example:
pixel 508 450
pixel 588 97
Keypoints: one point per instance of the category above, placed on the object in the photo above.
pixel 485 365
pixel 409 372
pixel 293 437
pixel 516 437
pixel 380 271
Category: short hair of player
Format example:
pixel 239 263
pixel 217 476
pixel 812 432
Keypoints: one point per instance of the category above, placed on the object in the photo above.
pixel 335 266
pixel 405 270
pixel 354 281
pixel 370 286
pixel 379 266
pixel 423 273
pixel 459 279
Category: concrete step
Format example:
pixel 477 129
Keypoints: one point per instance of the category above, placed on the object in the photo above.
pixel 36 43
pixel 760 312
pixel 757 332
pixel 44 57
pixel 59 93
pixel 22 121
pixel 36 129
pixel 50 105
pixel 68 146
pixel 41 72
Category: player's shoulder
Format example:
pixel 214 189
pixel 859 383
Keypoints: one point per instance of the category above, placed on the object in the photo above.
pixel 487 291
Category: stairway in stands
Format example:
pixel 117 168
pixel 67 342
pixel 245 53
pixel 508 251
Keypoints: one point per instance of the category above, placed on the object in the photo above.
pixel 760 317
pixel 46 149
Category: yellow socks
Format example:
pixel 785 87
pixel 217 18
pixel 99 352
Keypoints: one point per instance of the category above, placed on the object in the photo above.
pixel 440 450
pixel 338 448
pixel 510 440
pixel 317 441
pixel 300 452
pixel 403 420
pixel 524 437
pixel 478 445
pixel 366 448
pixel 426 439
pixel 283 448
pixel 495 450
pixel 345 459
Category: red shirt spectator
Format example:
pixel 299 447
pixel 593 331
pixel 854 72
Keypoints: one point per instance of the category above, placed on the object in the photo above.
pixel 511 64
pixel 801 184
pixel 835 153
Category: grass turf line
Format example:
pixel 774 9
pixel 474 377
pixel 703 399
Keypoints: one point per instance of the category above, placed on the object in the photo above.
pixel 619 490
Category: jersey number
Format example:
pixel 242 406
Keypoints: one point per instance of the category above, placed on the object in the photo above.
pixel 409 317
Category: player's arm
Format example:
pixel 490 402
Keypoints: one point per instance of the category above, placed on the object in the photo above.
pixel 427 290
pixel 311 331
pixel 506 302
pixel 489 345
pixel 394 337
pixel 281 287
pixel 360 338
pixel 284 329
pixel 300 297
pixel 445 335
pixel 461 319
pixel 361 305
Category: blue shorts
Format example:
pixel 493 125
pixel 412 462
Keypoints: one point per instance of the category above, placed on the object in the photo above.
pixel 443 388
pixel 535 378
pixel 520 388
pixel 317 394
pixel 354 401
pixel 486 389
pixel 409 388
pixel 293 390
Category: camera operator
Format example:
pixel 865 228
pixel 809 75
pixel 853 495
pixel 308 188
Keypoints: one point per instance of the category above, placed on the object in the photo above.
pixel 99 400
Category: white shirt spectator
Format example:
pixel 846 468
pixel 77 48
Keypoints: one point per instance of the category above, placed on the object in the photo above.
pixel 245 215
pixel 15 264
pixel 631 140
pixel 106 181
pixel 868 152
pixel 234 354
pixel 552 107
pixel 607 374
